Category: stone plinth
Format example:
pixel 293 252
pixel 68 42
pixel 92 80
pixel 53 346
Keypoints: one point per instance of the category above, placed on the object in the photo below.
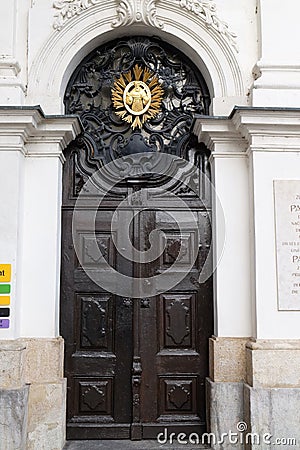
pixel 273 363
pixel 273 414
pixel 46 416
pixel 32 394
pixel 227 359
pixel 13 423
pixel 225 410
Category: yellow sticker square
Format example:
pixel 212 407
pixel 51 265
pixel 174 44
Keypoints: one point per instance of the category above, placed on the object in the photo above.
pixel 5 273
pixel 4 300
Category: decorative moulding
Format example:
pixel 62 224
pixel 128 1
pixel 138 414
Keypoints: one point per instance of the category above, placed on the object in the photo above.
pixel 9 67
pixel 137 11
pixel 144 11
pixel 68 9
pixel 206 10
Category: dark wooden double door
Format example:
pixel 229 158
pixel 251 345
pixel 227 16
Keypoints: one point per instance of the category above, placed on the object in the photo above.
pixel 135 366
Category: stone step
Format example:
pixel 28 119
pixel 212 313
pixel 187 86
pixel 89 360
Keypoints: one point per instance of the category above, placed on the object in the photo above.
pixel 128 445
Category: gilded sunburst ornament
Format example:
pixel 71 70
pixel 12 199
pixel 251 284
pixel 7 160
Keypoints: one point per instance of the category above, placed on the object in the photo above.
pixel 137 96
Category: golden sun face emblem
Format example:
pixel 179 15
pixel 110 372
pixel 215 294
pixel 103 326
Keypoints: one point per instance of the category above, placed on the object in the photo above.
pixel 137 96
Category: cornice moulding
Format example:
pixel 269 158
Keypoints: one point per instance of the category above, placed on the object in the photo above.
pixel 274 344
pixel 279 66
pixel 215 155
pixel 280 122
pixel 218 131
pixel 274 147
pixel 256 129
pixel 9 66
pixel 31 126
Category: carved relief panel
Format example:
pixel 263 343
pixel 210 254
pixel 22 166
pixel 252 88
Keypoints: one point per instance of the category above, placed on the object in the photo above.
pixel 177 321
pixel 95 320
pixel 178 395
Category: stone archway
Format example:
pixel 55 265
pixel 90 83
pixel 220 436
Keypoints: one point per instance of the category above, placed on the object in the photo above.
pixel 198 33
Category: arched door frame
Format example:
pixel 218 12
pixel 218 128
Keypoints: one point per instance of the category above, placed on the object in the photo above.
pixel 209 48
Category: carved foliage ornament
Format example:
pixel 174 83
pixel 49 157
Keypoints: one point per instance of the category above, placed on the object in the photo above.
pixel 68 9
pixel 137 96
pixel 207 11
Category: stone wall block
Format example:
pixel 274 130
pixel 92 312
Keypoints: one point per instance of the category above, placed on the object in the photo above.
pixel 13 418
pixel 46 416
pixel 44 360
pixel 11 364
pixel 227 359
pixel 273 413
pixel 273 364
pixel 225 410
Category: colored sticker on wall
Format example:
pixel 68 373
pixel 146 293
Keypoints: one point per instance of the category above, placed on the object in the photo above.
pixel 4 300
pixel 4 312
pixel 4 323
pixel 4 288
pixel 5 273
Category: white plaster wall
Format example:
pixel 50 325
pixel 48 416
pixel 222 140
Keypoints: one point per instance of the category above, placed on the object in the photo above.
pixel 40 267
pixel 13 51
pixel 233 315
pixel 243 19
pixel 268 166
pixel 278 66
pixel 11 187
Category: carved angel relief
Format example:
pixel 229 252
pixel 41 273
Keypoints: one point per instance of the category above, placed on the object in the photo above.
pixel 137 96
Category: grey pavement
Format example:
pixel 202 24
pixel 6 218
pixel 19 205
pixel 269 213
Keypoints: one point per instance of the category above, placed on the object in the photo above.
pixel 127 445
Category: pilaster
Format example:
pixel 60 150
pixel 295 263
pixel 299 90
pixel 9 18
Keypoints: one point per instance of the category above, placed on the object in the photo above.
pixel 264 391
pixel 231 220
pixel 273 138
pixel 31 157
pixel 277 70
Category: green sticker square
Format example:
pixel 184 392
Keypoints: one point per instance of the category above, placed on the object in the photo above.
pixel 4 288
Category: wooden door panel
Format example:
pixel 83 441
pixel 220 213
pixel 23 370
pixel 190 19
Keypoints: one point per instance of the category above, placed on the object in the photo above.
pixel 175 328
pixel 98 350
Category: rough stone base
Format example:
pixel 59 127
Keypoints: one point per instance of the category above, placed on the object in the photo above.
pixel 32 394
pixel 13 418
pixel 225 409
pixel 276 412
pixel 46 416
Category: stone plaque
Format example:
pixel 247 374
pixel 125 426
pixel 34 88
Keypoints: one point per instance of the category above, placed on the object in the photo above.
pixel 287 222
